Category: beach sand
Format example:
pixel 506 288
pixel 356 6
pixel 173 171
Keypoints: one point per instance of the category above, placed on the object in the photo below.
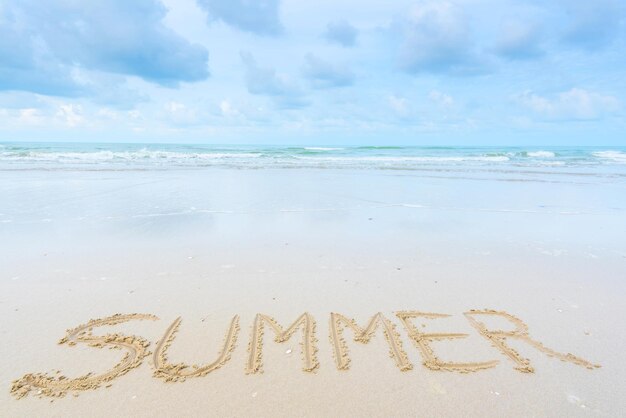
pixel 207 245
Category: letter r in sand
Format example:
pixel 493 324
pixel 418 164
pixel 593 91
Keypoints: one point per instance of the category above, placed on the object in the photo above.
pixel 498 339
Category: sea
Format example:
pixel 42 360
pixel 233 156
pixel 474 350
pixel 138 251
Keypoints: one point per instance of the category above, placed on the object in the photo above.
pixel 595 160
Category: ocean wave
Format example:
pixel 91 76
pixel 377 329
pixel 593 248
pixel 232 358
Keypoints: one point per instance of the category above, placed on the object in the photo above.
pixel 425 159
pixel 551 163
pixel 163 156
pixel 381 147
pixel 613 156
pixel 146 155
pixel 541 154
pixel 119 156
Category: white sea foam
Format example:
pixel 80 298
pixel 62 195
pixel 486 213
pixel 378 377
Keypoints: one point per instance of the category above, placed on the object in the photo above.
pixel 541 154
pixel 121 156
pixel 113 156
pixel 551 163
pixel 614 156
pixel 398 159
pixel 146 156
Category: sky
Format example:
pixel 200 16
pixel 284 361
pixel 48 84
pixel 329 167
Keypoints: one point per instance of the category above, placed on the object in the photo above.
pixel 465 72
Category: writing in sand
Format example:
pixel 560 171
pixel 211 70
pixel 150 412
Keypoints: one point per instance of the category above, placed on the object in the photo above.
pixel 136 348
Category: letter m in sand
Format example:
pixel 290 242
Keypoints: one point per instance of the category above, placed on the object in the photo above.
pixel 255 349
pixel 363 335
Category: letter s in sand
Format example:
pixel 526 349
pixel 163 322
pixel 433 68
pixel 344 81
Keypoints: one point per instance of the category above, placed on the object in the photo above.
pixel 58 386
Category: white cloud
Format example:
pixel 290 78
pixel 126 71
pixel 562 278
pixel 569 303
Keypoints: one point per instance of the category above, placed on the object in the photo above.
pixel 107 113
pixel 29 116
pixel 441 99
pixel 399 105
pixel 437 39
pixel 174 107
pixel 323 74
pixel 239 112
pixel 70 114
pixel 257 16
pixel 519 40
pixel 266 81
pixel 43 43
pixel 134 114
pixel 227 109
pixel 180 114
pixel 341 32
pixel 576 103
pixel 593 24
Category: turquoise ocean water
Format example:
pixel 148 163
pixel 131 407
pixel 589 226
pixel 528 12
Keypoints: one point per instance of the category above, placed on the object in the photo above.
pixel 94 156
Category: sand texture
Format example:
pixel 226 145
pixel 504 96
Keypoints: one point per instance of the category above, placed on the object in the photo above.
pixel 312 293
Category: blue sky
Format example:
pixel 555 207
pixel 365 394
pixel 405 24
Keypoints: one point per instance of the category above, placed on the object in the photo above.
pixel 316 72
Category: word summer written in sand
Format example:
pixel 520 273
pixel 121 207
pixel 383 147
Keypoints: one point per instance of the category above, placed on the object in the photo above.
pixel 136 347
